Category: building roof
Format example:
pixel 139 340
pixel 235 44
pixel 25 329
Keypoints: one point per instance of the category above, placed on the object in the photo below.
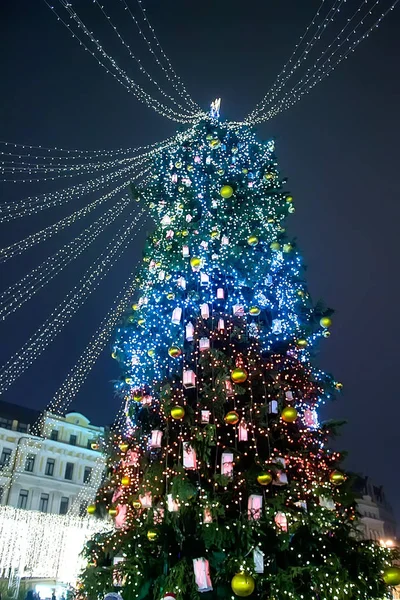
pixel 22 414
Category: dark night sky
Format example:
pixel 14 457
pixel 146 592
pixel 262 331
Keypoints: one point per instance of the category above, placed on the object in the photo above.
pixel 338 147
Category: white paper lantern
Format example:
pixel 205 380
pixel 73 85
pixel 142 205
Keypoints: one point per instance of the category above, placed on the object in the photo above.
pixel 326 503
pixel 156 437
pixel 185 251
pixel 172 505
pixel 220 293
pixel 224 240
pixel 147 400
pixel 204 344
pixel 243 432
pixel 204 245
pixel 189 331
pixel 254 506
pixel 301 504
pixel 207 516
pixel 165 220
pixel 281 521
pixel 170 234
pixel 205 416
pixel 273 407
pixel 189 379
pixel 289 395
pixel 204 278
pixel 238 310
pixel 181 282
pixel 276 326
pixel 146 500
pixel 205 311
pixel 202 577
pixel 310 418
pixel 227 464
pixel 176 315
pixel 221 325
pixel 258 558
pixel 280 475
pixel 229 387
pixel 189 456
pixel 161 275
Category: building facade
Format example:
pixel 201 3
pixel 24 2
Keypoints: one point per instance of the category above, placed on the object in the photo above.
pixel 377 518
pixel 48 475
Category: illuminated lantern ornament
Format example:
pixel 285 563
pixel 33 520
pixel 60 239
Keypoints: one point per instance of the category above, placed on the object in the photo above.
pixel 289 414
pixel 137 395
pixel 91 509
pixel 391 576
pixel 152 535
pixel 189 331
pixel 226 191
pixel 125 481
pixel 337 477
pixel 325 322
pixel 275 246
pixel 177 412
pixel 172 505
pixel 281 521
pixel 201 568
pixel 254 311
pixel 243 432
pixel 176 315
pixel 254 507
pixel 195 262
pixel 264 478
pixel 189 379
pixel 301 343
pixel 221 325
pixel 205 416
pixel 137 505
pixel 123 446
pixel 239 375
pixel 242 584
pixel 204 344
pixel 174 351
pixel 113 512
pixel 231 417
pixel 189 456
pixel 238 310
pixel 220 294
pixel 185 251
pixel 156 437
pixel 252 240
pixel 227 464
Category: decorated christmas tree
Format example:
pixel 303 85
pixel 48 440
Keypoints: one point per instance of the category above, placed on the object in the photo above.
pixel 222 483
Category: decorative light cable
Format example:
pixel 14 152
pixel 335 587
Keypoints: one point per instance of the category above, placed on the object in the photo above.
pixel 294 95
pixel 121 76
pixel 23 290
pixel 34 204
pixel 173 78
pixel 141 68
pixel 46 333
pixel 307 83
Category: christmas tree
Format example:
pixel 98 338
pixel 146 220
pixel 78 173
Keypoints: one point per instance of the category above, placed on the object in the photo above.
pixel 222 483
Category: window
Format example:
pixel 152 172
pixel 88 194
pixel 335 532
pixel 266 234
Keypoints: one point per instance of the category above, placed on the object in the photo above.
pixel 54 435
pixel 23 427
pixel 72 440
pixel 49 470
pixel 6 423
pixel 64 505
pixel 87 474
pixel 29 463
pixel 5 457
pixel 44 502
pixel 69 470
pixel 23 499
pixel 1 493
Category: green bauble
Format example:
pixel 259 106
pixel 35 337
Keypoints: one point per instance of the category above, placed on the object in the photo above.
pixel 391 576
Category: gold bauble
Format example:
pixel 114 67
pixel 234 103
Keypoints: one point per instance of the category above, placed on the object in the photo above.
pixel 301 343
pixel 245 171
pixel 289 414
pixel 214 234
pixel 195 262
pixel 91 509
pixel 123 446
pixel 152 535
pixel 113 355
pixel 239 375
pixel 177 412
pixel 243 584
pixel 289 199
pixel 185 233
pixel 391 576
pixel 170 296
pixel 254 311
pixel 174 351
pixel 325 322
pixel 275 246
pixel 178 164
pixel 264 478
pixel 137 396
pixel 226 191
pixel 215 143
pixel 231 417
pixel 135 306
pixel 287 248
pixel 181 188
pixel 128 380
pixel 337 477
pixel 338 385
pixel 252 240
pixel 125 481
pixel 209 137
pixel 221 171
pixel 94 446
pixel 269 176
pixel 113 512
pixel 141 322
pixel 137 505
pixel 151 352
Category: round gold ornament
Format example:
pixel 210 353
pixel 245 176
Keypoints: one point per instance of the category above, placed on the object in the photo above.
pixel 289 414
pixel 151 352
pixel 254 311
pixel 264 478
pixel 174 351
pixel 113 512
pixel 214 233
pixel 125 481
pixel 137 505
pixel 239 375
pixel 243 584
pixel 391 576
pixel 226 191
pixel 220 171
pixel 181 188
pixel 177 412
pixel 289 199
pixel 215 143
pixel 91 509
pixel 325 322
pixel 135 306
pixel 338 385
pixel 141 322
pixel 269 176
pixel 231 417
pixel 337 477
pixel 178 164
pixel 123 446
pixel 185 233
pixel 287 248
pixel 245 171
pixel 152 535
pixel 275 246
pixel 301 343
pixel 195 262
pixel 94 446
pixel 170 296
pixel 252 240
pixel 189 168
pixel 113 355
pixel 128 380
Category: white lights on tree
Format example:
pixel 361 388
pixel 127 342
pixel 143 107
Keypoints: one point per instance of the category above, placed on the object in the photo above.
pixel 156 438
pixel 238 310
pixel 185 251
pixel 146 500
pixel 189 457
pixel 281 521
pixel 243 431
pixel 172 505
pixel 254 506
pixel 273 407
pixel 258 558
pixel 204 344
pixel 205 311
pixel 204 278
pixel 189 331
pixel 176 315
pixel 189 379
pixel 205 416
pixel 220 294
pixel 227 464
pixel 202 577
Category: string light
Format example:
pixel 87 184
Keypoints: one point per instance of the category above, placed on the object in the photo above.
pixel 20 292
pixel 39 341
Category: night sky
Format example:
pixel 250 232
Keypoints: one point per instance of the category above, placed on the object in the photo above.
pixel 338 147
